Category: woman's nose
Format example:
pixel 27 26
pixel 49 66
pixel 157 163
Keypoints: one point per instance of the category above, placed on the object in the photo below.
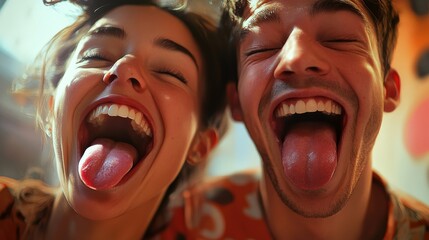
pixel 126 70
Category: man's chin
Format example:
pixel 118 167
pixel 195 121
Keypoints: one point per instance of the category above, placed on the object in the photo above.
pixel 309 203
pixel 314 208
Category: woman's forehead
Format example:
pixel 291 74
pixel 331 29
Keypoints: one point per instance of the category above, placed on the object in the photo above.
pixel 149 22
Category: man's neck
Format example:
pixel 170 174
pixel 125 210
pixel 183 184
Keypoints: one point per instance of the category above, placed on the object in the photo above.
pixel 363 217
pixel 65 223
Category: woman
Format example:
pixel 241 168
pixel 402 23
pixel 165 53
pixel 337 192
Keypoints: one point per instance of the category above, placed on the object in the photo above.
pixel 137 91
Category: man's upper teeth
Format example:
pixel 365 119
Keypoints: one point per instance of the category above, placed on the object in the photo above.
pixel 138 121
pixel 308 106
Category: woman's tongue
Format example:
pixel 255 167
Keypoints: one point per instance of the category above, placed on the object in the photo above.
pixel 105 163
pixel 309 155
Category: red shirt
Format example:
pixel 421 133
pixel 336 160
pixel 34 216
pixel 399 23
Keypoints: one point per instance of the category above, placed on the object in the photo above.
pixel 228 208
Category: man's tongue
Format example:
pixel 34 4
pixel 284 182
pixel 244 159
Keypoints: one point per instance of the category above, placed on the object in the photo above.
pixel 105 163
pixel 309 155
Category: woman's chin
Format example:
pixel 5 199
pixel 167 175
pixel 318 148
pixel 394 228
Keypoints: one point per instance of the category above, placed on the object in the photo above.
pixel 92 205
pixel 96 213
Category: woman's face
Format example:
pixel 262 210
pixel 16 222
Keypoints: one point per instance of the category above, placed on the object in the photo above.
pixel 126 110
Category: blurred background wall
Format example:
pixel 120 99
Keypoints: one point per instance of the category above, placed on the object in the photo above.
pixel 401 153
pixel 402 149
pixel 25 26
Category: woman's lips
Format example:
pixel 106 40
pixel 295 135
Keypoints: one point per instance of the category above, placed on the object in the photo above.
pixel 116 137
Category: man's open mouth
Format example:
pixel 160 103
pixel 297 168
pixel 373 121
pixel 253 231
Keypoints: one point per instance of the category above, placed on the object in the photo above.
pixel 309 132
pixel 288 114
pixel 114 138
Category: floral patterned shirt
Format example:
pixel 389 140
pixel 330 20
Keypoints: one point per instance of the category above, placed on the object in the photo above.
pixel 228 208
pixel 25 207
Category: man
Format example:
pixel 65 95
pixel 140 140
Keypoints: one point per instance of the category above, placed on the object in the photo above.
pixel 314 79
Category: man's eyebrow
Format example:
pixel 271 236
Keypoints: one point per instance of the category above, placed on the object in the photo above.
pixel 268 14
pixel 335 5
pixel 172 45
pixel 108 31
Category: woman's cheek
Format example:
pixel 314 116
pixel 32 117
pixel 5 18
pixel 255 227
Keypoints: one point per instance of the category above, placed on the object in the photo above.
pixel 178 106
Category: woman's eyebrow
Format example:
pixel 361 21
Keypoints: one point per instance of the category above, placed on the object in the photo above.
pixel 107 30
pixel 161 42
pixel 174 46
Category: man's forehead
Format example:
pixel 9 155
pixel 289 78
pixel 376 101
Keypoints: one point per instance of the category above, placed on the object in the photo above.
pixel 254 6
pixel 261 10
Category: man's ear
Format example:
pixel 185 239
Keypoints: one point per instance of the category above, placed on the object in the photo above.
pixel 392 88
pixel 202 145
pixel 234 102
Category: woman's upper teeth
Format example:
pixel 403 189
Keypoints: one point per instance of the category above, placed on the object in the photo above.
pixel 138 120
pixel 308 105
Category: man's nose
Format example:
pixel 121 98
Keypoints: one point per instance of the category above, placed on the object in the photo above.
pixel 301 54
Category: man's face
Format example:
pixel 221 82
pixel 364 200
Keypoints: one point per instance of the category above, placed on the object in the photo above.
pixel 312 97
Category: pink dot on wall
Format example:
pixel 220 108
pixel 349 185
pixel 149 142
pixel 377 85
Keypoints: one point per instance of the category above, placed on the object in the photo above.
pixel 417 130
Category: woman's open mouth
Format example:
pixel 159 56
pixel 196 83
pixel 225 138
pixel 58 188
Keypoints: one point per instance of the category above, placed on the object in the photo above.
pixel 113 139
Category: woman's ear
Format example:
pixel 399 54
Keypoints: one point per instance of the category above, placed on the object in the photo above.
pixel 202 145
pixel 392 88
pixel 234 102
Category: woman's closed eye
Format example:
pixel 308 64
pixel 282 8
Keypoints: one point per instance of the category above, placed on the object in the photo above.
pixel 93 56
pixel 172 73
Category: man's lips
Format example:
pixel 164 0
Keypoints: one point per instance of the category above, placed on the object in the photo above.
pixel 293 110
pixel 308 131
pixel 307 105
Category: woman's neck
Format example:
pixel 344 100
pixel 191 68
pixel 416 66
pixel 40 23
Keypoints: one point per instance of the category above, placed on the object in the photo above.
pixel 65 223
